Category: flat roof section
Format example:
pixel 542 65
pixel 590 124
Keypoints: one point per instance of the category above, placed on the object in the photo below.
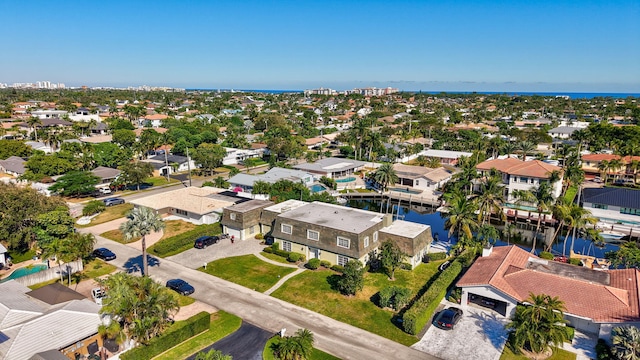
pixel 406 229
pixel 334 216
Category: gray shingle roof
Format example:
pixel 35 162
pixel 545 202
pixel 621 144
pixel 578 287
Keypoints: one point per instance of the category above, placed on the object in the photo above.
pixel 334 216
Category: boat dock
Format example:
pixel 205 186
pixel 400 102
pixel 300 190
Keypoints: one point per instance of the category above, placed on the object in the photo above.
pixel 398 197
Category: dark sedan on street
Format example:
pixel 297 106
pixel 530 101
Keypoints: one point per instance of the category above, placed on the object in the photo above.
pixel 180 286
pixel 447 318
pixel 104 254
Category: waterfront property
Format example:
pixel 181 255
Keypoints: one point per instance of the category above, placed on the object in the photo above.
pixel 245 182
pixel 522 175
pixel 333 168
pixel 423 178
pixel 447 157
pixel 616 208
pixel 591 165
pixel 595 301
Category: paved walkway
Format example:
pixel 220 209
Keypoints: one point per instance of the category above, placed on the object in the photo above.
pixel 340 339
pixel 282 281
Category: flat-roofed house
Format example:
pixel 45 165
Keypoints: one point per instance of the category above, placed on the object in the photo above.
pixel 242 220
pixel 421 177
pixel 197 205
pixel 332 167
pixel 338 234
pixel 595 301
pixel 245 182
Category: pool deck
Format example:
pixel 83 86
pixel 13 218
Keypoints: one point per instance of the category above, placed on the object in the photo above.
pixel 6 271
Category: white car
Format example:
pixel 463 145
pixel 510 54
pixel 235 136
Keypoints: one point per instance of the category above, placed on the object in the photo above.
pixel 98 294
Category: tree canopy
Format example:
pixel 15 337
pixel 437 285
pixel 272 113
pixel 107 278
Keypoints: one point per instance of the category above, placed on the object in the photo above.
pixel 75 183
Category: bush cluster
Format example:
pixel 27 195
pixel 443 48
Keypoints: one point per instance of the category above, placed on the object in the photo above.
pixel 437 256
pixel 176 334
pixel 93 207
pixel 603 351
pixel 313 264
pixel 394 297
pixel 417 316
pixel 467 257
pixel 259 236
pixel 325 264
pixel 290 256
pixel 337 268
pixel 294 257
pixel 546 255
pixel 574 261
pixel 184 241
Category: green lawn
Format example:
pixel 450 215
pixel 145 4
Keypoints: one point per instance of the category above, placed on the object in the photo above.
pixel 312 290
pixel 275 257
pixel 172 229
pixel 159 180
pixel 267 354
pixel 222 324
pixel 558 354
pixel 179 241
pixel 93 269
pixel 248 271
pixel 111 213
pixel 17 257
pixel 570 194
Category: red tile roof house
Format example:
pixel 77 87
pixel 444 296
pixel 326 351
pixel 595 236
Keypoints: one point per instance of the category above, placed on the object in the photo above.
pixel 595 301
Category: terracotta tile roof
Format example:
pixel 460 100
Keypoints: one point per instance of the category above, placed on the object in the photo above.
pixel 159 130
pixel 602 296
pixel 511 166
pixel 314 141
pixel 608 157
pixel 156 117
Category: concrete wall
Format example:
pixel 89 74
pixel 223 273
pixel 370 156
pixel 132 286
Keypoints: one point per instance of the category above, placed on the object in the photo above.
pixel 50 274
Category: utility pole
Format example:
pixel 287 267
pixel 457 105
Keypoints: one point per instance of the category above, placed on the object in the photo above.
pixel 189 165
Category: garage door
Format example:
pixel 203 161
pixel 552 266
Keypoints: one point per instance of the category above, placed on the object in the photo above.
pixel 496 305
pixel 233 232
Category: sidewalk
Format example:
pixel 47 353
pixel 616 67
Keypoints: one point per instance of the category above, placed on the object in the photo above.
pixel 282 281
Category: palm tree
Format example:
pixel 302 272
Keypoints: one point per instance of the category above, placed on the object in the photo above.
pixel 297 347
pixel 604 168
pixel 626 342
pixel 433 163
pixel 577 219
pixel 490 198
pixel 142 221
pixel 634 166
pixel 595 236
pixel 615 165
pixel 509 148
pixel 385 175
pixel 525 148
pixel 538 325
pixel 543 200
pixel 461 217
pixel 33 121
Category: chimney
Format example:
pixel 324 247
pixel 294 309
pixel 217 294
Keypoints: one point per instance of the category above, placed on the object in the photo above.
pixel 487 250
pixel 387 220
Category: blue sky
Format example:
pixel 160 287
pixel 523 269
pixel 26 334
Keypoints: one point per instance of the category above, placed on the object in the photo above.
pixel 517 45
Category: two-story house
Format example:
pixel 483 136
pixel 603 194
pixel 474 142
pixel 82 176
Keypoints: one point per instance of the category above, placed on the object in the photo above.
pixel 522 175
pixel 592 165
pixel 423 178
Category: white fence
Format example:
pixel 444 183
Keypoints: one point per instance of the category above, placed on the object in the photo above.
pixel 52 273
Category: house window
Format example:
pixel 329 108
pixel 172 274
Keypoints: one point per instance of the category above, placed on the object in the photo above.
pixel 524 180
pixel 343 242
pixel 366 241
pixel 287 229
pixel 417 182
pixel 252 229
pixel 600 206
pixel 375 236
pixel 232 216
pixel 342 260
pixel 286 246
pixel 313 235
pixel 181 212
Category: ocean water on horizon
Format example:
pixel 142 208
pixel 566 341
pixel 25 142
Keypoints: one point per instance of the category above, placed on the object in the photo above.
pixel 572 95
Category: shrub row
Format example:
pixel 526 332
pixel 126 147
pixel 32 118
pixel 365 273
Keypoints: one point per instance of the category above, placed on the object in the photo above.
pixel 93 207
pixel 437 256
pixel 290 256
pixel 313 264
pixel 416 317
pixel 179 243
pixel 467 257
pixel 176 334
pixel 337 268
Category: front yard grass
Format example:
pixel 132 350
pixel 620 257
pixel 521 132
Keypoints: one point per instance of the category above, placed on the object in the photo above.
pixel 93 269
pixel 267 353
pixel 312 290
pixel 275 257
pixel 183 240
pixel 222 324
pixel 159 181
pixel 110 213
pixel 172 228
pixel 248 271
pixel 558 354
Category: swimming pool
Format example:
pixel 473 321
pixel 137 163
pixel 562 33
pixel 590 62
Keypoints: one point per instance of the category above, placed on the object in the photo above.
pixel 521 207
pixel 345 180
pixel 405 190
pixel 316 188
pixel 24 271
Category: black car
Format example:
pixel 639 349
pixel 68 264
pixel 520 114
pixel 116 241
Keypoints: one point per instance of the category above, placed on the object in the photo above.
pixel 204 241
pixel 104 254
pixel 180 286
pixel 447 318
pixel 113 201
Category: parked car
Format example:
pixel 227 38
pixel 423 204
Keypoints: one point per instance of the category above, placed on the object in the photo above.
pixel 104 254
pixel 204 241
pixel 180 286
pixel 98 294
pixel 444 265
pixel 113 201
pixel 104 190
pixel 447 319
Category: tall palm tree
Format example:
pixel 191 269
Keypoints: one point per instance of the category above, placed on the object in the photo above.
pixel 578 218
pixel 461 217
pixel 142 221
pixel 490 198
pixel 626 342
pixel 33 122
pixel 385 175
pixel 525 148
pixel 509 148
pixel 615 165
pixel 539 324
pixel 604 168
pixel 633 168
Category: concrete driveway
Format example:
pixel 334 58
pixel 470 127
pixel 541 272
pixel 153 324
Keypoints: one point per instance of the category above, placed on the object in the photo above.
pixel 246 343
pixel 479 335
pixel 195 258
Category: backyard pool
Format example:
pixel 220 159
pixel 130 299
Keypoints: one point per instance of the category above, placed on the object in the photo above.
pixel 406 190
pixel 345 180
pixel 316 188
pixel 521 207
pixel 24 271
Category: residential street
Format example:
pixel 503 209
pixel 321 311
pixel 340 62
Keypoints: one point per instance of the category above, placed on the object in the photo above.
pixel 340 339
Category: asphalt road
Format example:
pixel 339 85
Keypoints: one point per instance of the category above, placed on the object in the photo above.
pixel 246 343
pixel 337 338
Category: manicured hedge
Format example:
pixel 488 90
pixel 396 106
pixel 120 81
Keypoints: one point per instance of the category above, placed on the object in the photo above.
pixel 179 243
pixel 437 256
pixel 416 317
pixel 313 264
pixel 93 207
pixel 176 334
pixel 290 256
